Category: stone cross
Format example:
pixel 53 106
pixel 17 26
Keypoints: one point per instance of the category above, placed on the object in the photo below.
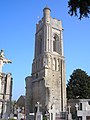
pixel 3 60
pixel 38 105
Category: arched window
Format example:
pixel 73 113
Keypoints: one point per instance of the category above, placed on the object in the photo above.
pixel 56 43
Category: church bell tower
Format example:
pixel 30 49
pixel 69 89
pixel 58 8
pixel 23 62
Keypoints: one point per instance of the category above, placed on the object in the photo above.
pixel 47 84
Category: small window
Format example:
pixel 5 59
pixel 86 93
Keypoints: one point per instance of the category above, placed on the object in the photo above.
pixel 80 106
pixel 37 75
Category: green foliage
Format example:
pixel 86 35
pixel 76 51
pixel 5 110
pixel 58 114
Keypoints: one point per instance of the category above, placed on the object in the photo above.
pixel 11 119
pixel 44 117
pixel 81 7
pixel 78 85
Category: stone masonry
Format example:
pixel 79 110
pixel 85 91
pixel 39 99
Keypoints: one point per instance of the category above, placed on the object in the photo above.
pixel 6 81
pixel 47 83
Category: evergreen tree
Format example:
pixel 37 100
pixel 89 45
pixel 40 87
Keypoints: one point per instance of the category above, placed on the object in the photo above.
pixel 81 7
pixel 78 85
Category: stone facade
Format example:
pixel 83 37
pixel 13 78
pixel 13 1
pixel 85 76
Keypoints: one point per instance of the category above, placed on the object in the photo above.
pixel 5 88
pixel 47 84
pixel 5 95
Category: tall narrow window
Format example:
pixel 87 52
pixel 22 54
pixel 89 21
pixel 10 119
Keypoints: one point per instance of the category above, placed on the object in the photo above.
pixel 56 43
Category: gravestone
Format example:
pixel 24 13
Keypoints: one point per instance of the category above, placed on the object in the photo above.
pixel 61 116
pixel 11 115
pixel 31 116
pixel 47 115
pixel 69 113
pixel 20 116
pixel 38 114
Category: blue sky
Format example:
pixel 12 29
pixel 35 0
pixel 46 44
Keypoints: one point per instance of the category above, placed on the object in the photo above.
pixel 18 20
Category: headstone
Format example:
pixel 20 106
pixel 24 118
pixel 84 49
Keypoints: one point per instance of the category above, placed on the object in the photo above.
pixel 61 116
pixel 20 116
pixel 58 117
pixel 38 114
pixel 18 110
pixel 5 116
pixel 69 116
pixel 47 116
pixel 31 116
pixel 69 113
pixel 11 115
pixel 52 112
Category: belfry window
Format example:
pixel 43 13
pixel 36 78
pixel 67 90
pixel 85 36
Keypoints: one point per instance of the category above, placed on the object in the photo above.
pixel 56 43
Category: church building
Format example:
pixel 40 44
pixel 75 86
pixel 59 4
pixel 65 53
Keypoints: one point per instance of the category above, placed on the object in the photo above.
pixel 47 83
pixel 6 82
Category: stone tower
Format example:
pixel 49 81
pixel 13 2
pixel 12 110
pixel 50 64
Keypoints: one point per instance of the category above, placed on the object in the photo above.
pixel 47 83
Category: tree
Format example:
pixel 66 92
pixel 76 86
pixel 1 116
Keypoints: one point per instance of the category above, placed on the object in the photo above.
pixel 78 85
pixel 81 7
